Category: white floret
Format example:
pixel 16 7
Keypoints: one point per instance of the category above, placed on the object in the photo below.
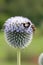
pixel 40 60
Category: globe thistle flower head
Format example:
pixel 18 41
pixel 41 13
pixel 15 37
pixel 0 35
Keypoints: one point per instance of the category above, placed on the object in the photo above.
pixel 40 60
pixel 18 31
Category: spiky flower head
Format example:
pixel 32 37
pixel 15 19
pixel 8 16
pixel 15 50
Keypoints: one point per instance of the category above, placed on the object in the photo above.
pixel 18 31
pixel 40 60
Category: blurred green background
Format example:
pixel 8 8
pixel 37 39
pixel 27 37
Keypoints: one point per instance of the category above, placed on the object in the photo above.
pixel 32 9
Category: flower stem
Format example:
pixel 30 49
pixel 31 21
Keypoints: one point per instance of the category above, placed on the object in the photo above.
pixel 18 57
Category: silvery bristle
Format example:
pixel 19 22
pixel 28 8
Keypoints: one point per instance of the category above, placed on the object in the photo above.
pixel 40 60
pixel 18 31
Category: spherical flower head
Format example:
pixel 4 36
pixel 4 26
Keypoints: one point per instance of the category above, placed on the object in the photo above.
pixel 40 60
pixel 18 31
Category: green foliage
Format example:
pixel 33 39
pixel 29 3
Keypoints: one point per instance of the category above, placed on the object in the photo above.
pixel 3 18
pixel 41 28
pixel 33 9
pixel 1 24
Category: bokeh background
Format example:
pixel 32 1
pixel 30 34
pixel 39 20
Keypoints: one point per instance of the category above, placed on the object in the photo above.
pixel 32 9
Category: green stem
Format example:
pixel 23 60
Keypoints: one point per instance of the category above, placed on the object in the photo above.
pixel 18 57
